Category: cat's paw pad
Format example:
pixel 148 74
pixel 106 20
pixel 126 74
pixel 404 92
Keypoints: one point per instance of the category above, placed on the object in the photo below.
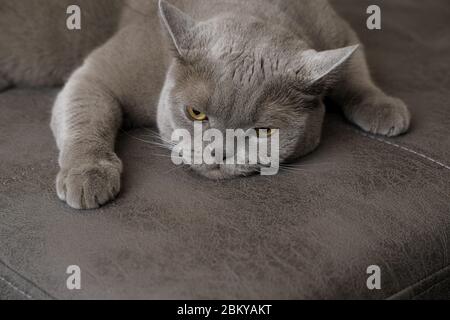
pixel 382 115
pixel 91 185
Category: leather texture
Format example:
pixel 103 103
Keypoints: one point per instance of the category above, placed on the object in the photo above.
pixel 304 234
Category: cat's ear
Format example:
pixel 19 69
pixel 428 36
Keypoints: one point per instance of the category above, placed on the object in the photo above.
pixel 318 65
pixel 178 25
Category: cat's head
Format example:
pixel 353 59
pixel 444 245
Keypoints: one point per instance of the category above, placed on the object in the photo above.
pixel 240 73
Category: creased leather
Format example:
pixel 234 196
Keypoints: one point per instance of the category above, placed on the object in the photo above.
pixel 307 234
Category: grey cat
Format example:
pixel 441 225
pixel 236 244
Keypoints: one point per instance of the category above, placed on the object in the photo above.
pixel 231 63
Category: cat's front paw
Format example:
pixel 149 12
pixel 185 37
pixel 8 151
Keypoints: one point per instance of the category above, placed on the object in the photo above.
pixel 89 185
pixel 382 115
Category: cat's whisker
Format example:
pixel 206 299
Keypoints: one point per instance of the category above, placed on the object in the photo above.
pixel 156 135
pixel 159 144
pixel 164 142
pixel 293 169
pixel 136 138
pixel 153 143
pixel 150 137
pixel 153 135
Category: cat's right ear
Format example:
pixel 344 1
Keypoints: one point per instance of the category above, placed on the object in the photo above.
pixel 317 66
pixel 178 25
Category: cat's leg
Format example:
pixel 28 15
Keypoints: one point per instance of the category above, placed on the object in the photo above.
pixel 85 122
pixel 366 105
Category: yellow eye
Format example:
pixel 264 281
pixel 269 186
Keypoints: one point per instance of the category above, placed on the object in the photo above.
pixel 196 115
pixel 264 132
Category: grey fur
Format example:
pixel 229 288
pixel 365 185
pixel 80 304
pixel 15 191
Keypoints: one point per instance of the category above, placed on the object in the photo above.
pixel 247 64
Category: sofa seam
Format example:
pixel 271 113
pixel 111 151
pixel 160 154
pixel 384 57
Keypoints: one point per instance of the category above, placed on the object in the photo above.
pixel 15 288
pixel 25 279
pixel 404 148
pixel 430 159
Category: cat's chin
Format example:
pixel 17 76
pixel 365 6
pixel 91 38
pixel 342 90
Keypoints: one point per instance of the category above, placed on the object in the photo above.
pixel 224 172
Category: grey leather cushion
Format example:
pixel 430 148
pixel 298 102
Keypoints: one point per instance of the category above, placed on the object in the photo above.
pixel 309 233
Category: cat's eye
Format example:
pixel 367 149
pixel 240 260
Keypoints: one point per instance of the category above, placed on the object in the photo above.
pixel 264 132
pixel 196 115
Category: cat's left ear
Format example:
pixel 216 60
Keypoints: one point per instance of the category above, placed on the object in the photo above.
pixel 318 65
pixel 178 25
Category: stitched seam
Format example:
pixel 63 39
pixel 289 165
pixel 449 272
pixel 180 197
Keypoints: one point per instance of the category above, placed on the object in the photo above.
pixel 428 158
pixel 421 155
pixel 34 285
pixel 28 296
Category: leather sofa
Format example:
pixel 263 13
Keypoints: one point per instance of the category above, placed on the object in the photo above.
pixel 308 233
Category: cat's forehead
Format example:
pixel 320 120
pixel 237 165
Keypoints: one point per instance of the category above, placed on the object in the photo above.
pixel 252 67
pixel 247 52
pixel 251 64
